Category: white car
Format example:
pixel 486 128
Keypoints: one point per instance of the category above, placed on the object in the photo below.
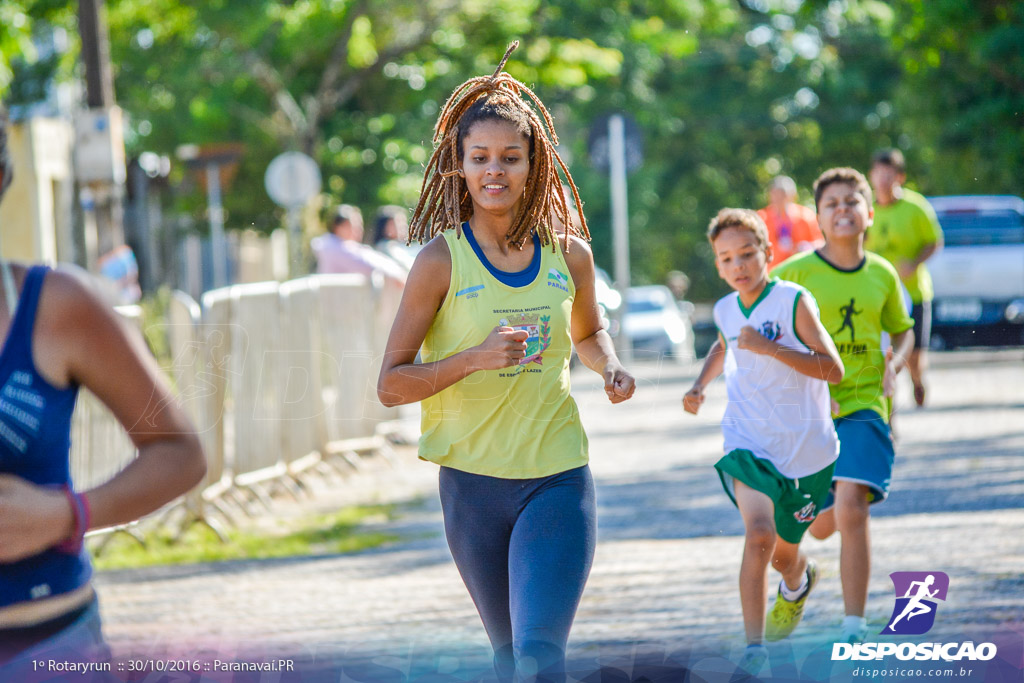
pixel 979 273
pixel 608 301
pixel 656 325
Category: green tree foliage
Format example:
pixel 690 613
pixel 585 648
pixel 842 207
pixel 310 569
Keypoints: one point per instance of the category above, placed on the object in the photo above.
pixel 355 84
pixel 727 93
pixel 25 69
pixel 966 63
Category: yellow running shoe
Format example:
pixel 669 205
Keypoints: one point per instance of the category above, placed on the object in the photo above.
pixel 785 615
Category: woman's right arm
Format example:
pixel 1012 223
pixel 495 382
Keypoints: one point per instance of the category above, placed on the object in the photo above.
pixel 80 340
pixel 402 380
pixel 108 357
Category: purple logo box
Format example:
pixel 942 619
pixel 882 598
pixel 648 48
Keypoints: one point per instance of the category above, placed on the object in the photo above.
pixel 916 596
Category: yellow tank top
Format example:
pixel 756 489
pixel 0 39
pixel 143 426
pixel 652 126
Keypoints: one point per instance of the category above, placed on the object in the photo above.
pixel 518 422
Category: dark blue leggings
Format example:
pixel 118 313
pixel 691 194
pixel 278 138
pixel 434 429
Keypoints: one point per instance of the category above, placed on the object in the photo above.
pixel 524 549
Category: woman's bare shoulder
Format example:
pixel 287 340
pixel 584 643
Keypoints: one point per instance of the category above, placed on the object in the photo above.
pixel 73 290
pixel 578 256
pixel 435 252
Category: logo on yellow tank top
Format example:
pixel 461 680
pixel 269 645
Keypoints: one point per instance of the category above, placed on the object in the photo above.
pixel 558 279
pixel 538 334
pixel 470 292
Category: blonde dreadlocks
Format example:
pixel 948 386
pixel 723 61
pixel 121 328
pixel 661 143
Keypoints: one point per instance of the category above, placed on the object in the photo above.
pixel 445 201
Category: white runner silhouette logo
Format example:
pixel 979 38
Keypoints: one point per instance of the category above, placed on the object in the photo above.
pixel 916 593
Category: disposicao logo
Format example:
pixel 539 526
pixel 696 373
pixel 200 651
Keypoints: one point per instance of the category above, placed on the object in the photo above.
pixel 916 593
pixel 913 615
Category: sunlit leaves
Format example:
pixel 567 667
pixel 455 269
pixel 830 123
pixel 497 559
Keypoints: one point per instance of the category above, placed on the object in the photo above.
pixel 726 92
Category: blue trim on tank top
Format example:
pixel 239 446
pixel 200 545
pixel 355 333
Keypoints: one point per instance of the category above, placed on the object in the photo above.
pixel 22 324
pixel 521 278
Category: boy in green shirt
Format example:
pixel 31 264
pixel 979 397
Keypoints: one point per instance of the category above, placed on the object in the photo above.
pixel 859 297
pixel 906 233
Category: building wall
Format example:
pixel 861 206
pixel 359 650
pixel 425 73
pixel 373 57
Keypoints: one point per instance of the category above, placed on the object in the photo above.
pixel 36 213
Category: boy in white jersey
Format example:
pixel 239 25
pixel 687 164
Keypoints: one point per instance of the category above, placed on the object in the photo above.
pixel 780 443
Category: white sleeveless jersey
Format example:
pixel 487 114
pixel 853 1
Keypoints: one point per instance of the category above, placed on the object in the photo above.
pixel 774 411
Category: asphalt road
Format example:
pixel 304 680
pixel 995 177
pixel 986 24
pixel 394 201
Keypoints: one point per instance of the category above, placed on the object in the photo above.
pixel 664 583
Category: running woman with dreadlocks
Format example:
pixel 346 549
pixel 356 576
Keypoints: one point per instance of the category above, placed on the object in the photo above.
pixel 496 299
pixel 60 336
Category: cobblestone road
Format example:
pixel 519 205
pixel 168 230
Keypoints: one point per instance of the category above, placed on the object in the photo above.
pixel 664 578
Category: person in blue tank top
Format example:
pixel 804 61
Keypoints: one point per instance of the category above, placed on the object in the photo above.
pixel 496 300
pixel 60 336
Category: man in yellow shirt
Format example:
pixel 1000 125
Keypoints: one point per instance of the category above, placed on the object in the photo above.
pixel 906 233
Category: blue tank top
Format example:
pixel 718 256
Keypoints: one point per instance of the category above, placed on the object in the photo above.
pixel 35 442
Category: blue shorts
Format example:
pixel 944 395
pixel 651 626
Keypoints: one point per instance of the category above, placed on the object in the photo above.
pixel 866 454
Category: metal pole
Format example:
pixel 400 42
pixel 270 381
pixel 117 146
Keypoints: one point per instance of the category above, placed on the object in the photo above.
pixel 90 238
pixel 99 80
pixel 142 229
pixel 157 251
pixel 294 216
pixel 99 94
pixel 216 210
pixel 620 221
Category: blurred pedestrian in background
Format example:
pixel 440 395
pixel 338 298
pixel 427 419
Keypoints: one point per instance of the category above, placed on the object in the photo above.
pixel 391 236
pixel 792 227
pixel 341 250
pixel 906 233
pixel 679 283
pixel 121 270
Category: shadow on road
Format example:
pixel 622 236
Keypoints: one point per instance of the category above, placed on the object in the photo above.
pixel 938 476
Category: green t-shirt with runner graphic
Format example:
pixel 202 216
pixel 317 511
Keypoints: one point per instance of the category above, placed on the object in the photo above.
pixel 856 307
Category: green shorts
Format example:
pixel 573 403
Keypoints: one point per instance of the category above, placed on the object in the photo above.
pixel 797 501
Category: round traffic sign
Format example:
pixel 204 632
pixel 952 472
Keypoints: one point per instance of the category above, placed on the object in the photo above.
pixel 292 179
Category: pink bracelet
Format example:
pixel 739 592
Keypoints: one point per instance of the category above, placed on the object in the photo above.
pixel 83 515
